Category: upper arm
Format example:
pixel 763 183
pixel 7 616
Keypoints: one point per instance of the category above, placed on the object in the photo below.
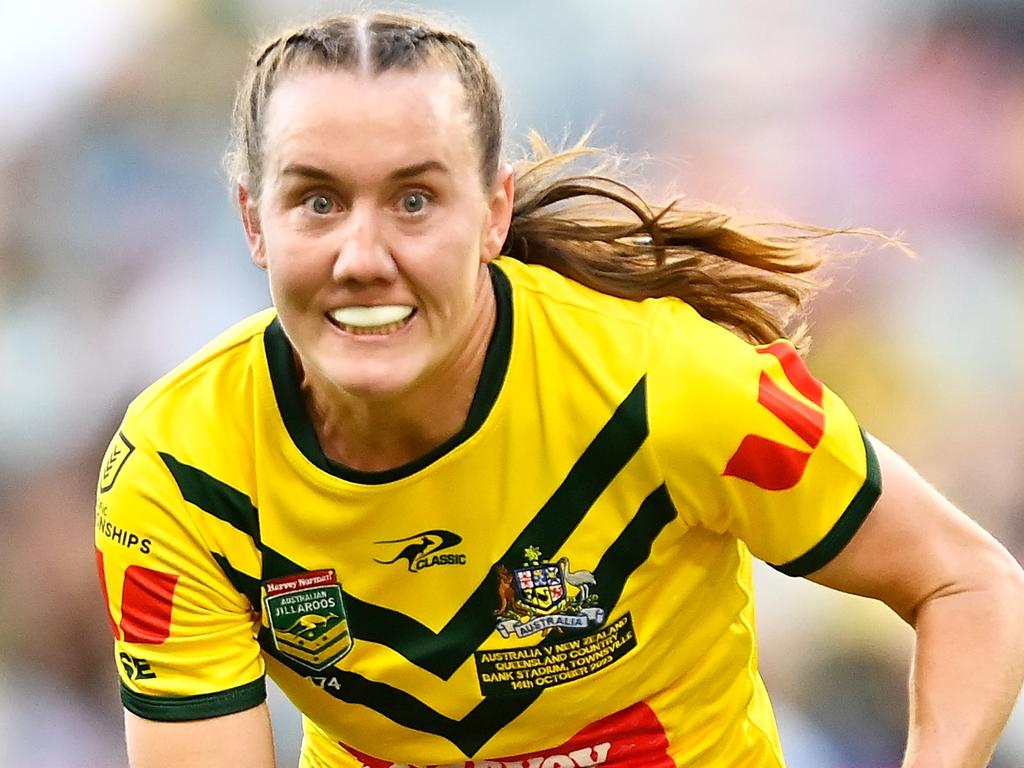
pixel 915 545
pixel 184 634
pixel 240 739
pixel 751 444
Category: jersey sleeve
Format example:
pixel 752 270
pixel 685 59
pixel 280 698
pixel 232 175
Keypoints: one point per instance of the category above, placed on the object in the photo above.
pixel 752 444
pixel 185 637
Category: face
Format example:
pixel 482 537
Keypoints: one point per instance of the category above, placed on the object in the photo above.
pixel 375 227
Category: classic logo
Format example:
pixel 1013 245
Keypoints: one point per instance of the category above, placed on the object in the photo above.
pixel 542 595
pixel 117 454
pixel 423 550
pixel 307 617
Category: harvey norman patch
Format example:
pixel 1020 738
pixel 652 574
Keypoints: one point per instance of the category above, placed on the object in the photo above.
pixel 307 617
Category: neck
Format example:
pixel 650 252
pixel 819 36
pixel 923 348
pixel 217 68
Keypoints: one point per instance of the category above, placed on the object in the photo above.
pixel 381 434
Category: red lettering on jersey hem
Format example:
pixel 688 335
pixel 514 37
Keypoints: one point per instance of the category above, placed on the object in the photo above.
pixel 632 738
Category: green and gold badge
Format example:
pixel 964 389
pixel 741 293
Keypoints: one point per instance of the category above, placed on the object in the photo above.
pixel 306 615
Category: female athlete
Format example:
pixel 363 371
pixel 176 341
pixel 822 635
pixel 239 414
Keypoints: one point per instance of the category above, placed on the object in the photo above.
pixel 484 486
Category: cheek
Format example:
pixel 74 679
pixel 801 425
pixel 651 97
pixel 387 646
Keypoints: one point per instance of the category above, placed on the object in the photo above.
pixel 448 269
pixel 291 268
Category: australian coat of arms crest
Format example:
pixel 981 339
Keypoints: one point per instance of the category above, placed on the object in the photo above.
pixel 541 596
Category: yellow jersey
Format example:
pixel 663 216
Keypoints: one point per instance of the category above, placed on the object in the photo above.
pixel 565 582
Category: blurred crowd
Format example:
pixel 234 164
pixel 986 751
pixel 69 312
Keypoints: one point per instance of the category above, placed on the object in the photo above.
pixel 120 253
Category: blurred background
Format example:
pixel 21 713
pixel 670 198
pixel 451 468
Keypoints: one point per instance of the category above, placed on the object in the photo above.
pixel 121 253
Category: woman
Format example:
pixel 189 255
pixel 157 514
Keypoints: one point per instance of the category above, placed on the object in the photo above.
pixel 484 486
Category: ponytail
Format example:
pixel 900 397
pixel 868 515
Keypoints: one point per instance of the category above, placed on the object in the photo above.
pixel 600 232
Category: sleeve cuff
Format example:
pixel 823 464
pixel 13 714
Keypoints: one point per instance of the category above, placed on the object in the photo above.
pixel 200 707
pixel 847 524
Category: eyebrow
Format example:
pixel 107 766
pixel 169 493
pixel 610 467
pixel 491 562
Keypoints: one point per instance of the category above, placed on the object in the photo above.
pixel 319 174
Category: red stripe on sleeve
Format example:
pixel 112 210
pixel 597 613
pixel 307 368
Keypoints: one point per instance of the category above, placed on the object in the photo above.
pixel 632 738
pixel 106 597
pixel 808 423
pixel 796 371
pixel 146 603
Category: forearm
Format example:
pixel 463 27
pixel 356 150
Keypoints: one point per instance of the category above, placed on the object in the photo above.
pixel 968 668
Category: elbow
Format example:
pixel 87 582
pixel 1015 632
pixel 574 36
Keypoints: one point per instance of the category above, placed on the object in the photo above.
pixel 1002 579
pixel 1012 580
pixel 1011 588
pixel 990 580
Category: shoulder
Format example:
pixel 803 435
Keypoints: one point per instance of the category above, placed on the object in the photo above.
pixel 684 356
pixel 708 388
pixel 184 437
pixel 671 319
pixel 539 289
pixel 210 383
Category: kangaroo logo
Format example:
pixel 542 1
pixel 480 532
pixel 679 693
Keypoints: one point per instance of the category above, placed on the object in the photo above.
pixel 311 622
pixel 420 550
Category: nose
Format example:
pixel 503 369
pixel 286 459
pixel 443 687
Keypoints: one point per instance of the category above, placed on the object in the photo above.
pixel 362 251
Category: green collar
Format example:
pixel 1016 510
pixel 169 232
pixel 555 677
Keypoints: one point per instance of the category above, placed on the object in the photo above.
pixel 296 419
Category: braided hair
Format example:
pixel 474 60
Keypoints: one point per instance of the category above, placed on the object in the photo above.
pixel 572 212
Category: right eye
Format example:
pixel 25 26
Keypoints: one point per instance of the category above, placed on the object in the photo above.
pixel 319 204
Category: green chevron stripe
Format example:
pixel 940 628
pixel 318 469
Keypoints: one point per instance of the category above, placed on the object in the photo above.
pixel 470 733
pixel 444 652
pixel 633 546
pixel 243 582
pixel 215 497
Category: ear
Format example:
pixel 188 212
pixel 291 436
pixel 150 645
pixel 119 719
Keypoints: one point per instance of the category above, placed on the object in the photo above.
pixel 253 227
pixel 500 202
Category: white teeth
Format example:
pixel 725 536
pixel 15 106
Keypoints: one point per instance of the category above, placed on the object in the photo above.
pixel 371 317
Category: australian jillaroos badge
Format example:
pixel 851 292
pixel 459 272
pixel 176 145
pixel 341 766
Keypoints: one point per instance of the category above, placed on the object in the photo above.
pixel 306 615
pixel 542 595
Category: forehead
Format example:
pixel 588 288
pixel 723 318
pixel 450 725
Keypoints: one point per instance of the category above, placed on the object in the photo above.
pixel 396 118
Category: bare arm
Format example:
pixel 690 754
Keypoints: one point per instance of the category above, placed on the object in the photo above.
pixel 964 595
pixel 242 739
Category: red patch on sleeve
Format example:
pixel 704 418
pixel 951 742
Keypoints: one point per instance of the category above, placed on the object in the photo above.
pixel 146 603
pixel 632 738
pixel 767 464
pixel 106 596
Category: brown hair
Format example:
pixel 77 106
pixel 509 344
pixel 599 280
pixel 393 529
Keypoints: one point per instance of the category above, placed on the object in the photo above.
pixel 584 223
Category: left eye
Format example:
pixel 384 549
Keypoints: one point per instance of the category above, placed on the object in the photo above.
pixel 414 202
pixel 320 204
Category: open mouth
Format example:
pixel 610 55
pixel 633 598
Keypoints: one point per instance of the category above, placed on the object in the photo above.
pixel 379 320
